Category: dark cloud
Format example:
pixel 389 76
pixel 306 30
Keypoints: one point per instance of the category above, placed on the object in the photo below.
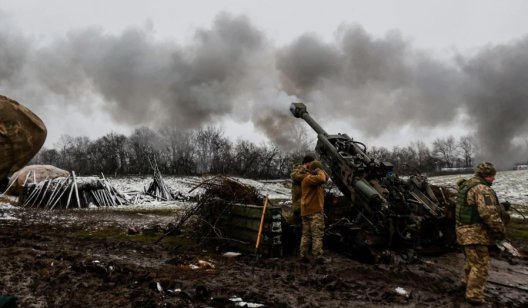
pixel 231 70
pixel 497 100
pixel 383 84
pixel 305 63
pixel 14 50
pixel 144 81
pixel 371 80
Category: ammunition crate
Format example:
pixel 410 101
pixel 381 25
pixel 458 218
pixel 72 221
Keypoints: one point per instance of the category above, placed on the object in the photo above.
pixel 243 221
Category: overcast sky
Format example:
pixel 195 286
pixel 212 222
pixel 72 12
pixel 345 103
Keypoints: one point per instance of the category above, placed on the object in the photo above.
pixel 387 72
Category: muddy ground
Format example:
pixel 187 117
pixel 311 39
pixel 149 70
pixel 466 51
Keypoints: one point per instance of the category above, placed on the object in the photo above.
pixel 86 258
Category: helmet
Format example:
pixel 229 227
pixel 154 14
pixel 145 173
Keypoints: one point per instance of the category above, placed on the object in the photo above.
pixel 485 169
pixel 307 159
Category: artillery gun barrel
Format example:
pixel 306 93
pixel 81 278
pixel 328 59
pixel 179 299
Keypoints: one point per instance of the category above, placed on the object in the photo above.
pixel 380 201
pixel 299 111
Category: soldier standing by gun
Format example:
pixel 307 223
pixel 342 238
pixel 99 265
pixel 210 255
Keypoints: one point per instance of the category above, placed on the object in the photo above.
pixel 297 175
pixel 312 211
pixel 478 224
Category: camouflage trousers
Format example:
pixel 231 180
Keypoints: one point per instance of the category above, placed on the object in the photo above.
pixel 312 235
pixel 476 271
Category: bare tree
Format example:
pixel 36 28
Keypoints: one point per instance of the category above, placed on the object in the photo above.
pixel 404 159
pixel 111 151
pixel 208 143
pixel 467 147
pixel 445 150
pixel 64 145
pixel 423 156
pixel 46 157
pixel 145 144
pixel 180 150
pixel 380 153
pixel 247 157
pixel 269 163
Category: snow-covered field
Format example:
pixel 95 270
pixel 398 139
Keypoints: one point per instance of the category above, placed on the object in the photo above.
pixel 190 186
pixel 186 186
pixel 510 186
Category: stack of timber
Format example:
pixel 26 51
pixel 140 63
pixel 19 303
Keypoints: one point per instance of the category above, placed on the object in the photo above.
pixel 233 212
pixel 70 192
pixel 157 188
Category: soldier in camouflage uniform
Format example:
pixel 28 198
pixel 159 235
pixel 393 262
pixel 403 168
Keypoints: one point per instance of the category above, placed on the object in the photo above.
pixel 298 173
pixel 478 224
pixel 312 213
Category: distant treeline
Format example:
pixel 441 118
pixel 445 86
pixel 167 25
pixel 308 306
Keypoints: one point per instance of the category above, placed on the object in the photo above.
pixel 208 151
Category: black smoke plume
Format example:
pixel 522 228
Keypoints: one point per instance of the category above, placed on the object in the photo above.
pixel 231 70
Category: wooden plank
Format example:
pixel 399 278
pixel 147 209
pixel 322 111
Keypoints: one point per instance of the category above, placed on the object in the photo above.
pixel 64 188
pixel 76 190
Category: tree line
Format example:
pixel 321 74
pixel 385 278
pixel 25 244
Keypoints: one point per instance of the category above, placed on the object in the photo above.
pixel 209 151
pixel 176 152
pixel 444 154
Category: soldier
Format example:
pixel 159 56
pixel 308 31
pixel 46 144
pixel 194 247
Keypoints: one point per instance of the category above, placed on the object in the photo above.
pixel 478 224
pixel 312 212
pixel 299 172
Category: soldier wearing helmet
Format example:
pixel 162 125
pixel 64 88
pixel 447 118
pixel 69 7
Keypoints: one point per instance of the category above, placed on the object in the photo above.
pixel 297 175
pixel 312 211
pixel 478 225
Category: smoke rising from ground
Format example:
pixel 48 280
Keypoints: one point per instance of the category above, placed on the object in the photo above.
pixel 231 69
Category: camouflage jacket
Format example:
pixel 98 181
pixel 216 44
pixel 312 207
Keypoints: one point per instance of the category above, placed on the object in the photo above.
pixel 312 200
pixel 297 175
pixel 492 227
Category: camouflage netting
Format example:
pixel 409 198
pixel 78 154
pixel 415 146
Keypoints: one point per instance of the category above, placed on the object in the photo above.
pixel 231 190
pixel 221 193
pixel 229 213
pixel 22 134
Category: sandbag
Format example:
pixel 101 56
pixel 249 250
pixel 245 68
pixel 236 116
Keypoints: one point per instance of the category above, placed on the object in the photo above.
pixel 22 134
pixel 33 174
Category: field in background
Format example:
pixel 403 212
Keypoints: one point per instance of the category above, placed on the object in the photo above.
pixel 510 185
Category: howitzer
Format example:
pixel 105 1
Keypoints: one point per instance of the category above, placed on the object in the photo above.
pixel 395 213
